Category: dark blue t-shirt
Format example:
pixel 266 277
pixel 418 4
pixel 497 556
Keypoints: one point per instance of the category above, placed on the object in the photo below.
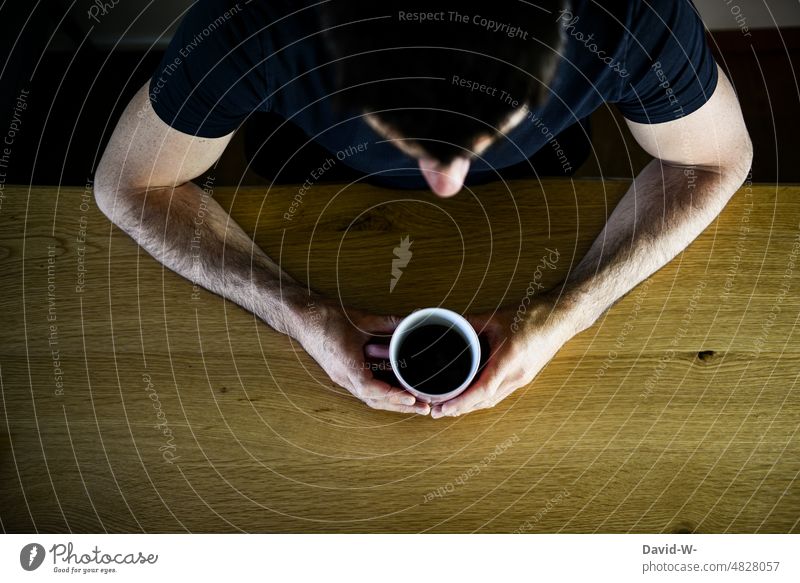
pixel 229 59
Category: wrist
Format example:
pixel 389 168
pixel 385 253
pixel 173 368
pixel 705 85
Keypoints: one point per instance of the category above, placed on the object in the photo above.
pixel 286 306
pixel 573 310
pixel 547 316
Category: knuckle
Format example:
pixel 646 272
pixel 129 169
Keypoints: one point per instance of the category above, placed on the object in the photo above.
pixel 525 379
pixel 393 319
pixel 358 393
pixel 328 347
pixel 515 353
pixel 338 378
pixel 487 395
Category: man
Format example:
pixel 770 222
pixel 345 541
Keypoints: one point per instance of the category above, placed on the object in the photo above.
pixel 443 93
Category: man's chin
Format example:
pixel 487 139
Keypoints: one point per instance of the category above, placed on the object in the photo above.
pixel 441 186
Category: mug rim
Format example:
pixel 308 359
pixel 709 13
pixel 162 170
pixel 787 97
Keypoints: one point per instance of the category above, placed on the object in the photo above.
pixel 463 326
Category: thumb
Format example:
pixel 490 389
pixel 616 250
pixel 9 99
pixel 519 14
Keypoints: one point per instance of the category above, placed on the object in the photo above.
pixel 379 351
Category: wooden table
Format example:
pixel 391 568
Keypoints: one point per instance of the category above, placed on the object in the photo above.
pixel 133 402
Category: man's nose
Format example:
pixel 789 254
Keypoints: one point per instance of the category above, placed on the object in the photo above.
pixel 444 180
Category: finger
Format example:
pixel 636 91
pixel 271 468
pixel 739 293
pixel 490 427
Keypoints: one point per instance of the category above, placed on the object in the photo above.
pixel 418 407
pixel 401 398
pixel 379 324
pixel 466 401
pixel 369 388
pixel 485 404
pixel 459 405
pixel 380 351
pixel 478 391
pixel 397 396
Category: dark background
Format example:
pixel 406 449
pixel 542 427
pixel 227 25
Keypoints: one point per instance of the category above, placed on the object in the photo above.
pixel 79 82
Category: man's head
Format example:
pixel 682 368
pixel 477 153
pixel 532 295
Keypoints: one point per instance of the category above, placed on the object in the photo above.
pixel 442 80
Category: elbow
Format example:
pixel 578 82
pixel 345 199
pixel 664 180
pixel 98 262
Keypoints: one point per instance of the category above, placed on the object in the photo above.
pixel 740 169
pixel 102 188
pixel 106 188
pixel 103 198
pixel 115 202
pixel 735 171
pixel 747 157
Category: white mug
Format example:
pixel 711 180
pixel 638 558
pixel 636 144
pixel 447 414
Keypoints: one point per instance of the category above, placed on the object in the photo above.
pixel 427 317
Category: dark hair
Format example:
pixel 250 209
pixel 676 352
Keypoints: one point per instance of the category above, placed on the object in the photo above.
pixel 407 68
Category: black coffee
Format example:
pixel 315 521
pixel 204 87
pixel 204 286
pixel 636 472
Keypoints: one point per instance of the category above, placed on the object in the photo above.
pixel 434 359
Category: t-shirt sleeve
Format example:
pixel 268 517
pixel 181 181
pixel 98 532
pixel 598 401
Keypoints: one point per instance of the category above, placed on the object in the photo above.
pixel 212 75
pixel 671 70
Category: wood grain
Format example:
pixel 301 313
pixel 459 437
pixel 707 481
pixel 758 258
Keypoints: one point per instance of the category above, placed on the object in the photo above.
pixel 677 412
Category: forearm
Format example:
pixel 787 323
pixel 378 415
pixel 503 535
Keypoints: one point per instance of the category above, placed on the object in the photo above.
pixel 190 233
pixel 664 210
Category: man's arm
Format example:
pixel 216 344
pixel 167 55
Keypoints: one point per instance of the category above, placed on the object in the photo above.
pixel 143 185
pixel 700 162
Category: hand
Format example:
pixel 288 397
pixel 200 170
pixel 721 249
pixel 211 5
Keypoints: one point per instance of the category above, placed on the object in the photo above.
pixel 344 345
pixel 519 347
